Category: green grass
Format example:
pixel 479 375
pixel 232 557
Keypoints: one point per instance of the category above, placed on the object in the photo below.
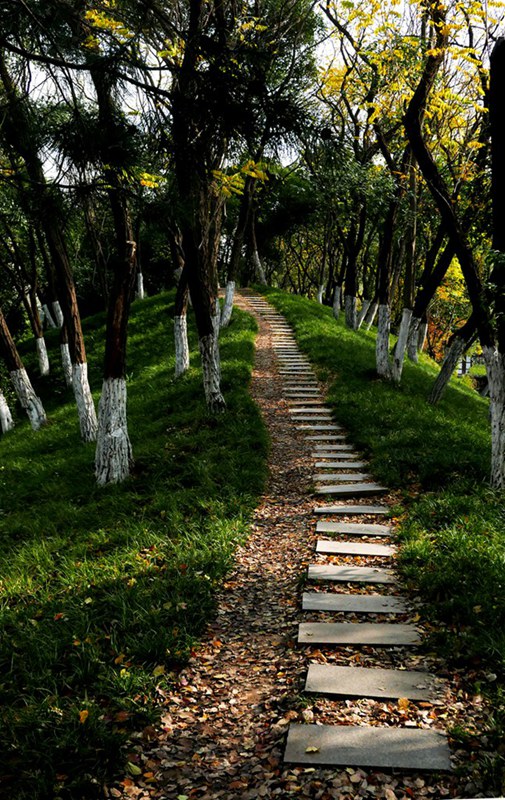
pixel 451 524
pixel 104 592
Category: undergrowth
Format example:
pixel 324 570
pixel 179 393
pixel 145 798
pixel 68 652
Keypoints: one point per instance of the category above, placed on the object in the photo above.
pixel 104 592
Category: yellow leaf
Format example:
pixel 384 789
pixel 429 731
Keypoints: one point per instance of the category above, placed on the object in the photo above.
pixel 159 671
pixel 311 749
pixel 403 703
pixel 83 716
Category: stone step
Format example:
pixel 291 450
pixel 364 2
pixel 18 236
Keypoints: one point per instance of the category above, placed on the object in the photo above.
pixel 347 574
pixel 351 477
pixel 319 428
pixel 327 547
pixel 353 489
pixel 379 634
pixel 305 401
pixel 350 464
pixel 354 603
pixel 367 746
pixel 307 410
pixel 346 453
pixel 314 417
pixel 327 447
pixel 336 438
pixel 353 528
pixel 351 510
pixel 302 394
pixel 364 682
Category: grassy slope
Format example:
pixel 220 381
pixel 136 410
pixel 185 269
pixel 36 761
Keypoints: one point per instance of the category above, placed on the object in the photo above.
pixel 99 589
pixel 451 523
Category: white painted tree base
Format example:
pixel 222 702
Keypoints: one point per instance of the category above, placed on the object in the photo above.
pixel 382 343
pixel 413 340
pixel 401 345
pixel 58 314
pixel 211 367
pixel 6 421
pixel 42 356
pixel 449 364
pixel 139 294
pixel 370 315
pixel 85 404
pixel 181 345
pixel 336 301
pixel 362 314
pixel 320 293
pixel 495 367
pixel 28 399
pixel 423 335
pixel 48 317
pixel 66 363
pixel 228 304
pixel 351 314
pixel 113 458
pixel 258 268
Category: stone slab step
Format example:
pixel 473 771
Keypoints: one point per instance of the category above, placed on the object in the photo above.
pixel 351 477
pixel 354 549
pixel 350 464
pixel 308 427
pixel 354 603
pixel 307 410
pixel 307 401
pixel 364 682
pixel 367 746
pixel 352 489
pixel 351 510
pixel 328 447
pixel 345 454
pixel 380 634
pixel 353 528
pixel 336 438
pixel 347 574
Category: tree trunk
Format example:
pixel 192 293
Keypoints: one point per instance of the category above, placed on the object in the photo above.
pixel 382 343
pixel 336 300
pixel 362 314
pixel 320 293
pixel 181 326
pixel 58 314
pixel 139 294
pixel 228 304
pixel 401 345
pixel 371 314
pixel 48 316
pixel 42 356
pixel 351 317
pixel 458 345
pixel 413 339
pixel 21 382
pixel 6 421
pixel 113 458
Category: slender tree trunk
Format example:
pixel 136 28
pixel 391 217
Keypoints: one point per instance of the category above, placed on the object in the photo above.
pixel 228 304
pixel 351 315
pixel 181 326
pixel 431 282
pixel 458 345
pixel 48 316
pixel 239 233
pixel 6 420
pixel 58 314
pixel 371 314
pixel 382 343
pixel 66 361
pixel 336 300
pixel 495 367
pixel 19 377
pixel 320 294
pixel 362 314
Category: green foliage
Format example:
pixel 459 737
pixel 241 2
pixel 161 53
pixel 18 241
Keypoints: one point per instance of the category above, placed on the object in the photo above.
pixel 104 593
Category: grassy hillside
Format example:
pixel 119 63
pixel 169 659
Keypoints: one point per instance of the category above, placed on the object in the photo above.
pixel 104 591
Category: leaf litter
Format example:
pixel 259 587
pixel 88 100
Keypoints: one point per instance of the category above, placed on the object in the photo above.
pixel 222 729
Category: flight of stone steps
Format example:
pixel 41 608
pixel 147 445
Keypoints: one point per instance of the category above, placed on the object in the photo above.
pixel 340 478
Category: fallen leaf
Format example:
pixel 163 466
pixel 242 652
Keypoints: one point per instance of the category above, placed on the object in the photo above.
pixel 311 749
pixel 160 670
pixel 133 769
pixel 83 716
pixel 403 703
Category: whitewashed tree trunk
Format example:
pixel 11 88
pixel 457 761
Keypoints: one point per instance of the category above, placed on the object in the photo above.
pixel 382 343
pixel 181 345
pixel 84 400
pixel 320 293
pixel 6 421
pixel 211 367
pixel 258 268
pixel 362 313
pixel 370 315
pixel 42 356
pixel 66 363
pixel 228 304
pixel 450 362
pixel 495 367
pixel 48 317
pixel 351 315
pixel 336 301
pixel 401 345
pixel 413 340
pixel 140 286
pixel 58 314
pixel 113 458
pixel 28 399
pixel 423 333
